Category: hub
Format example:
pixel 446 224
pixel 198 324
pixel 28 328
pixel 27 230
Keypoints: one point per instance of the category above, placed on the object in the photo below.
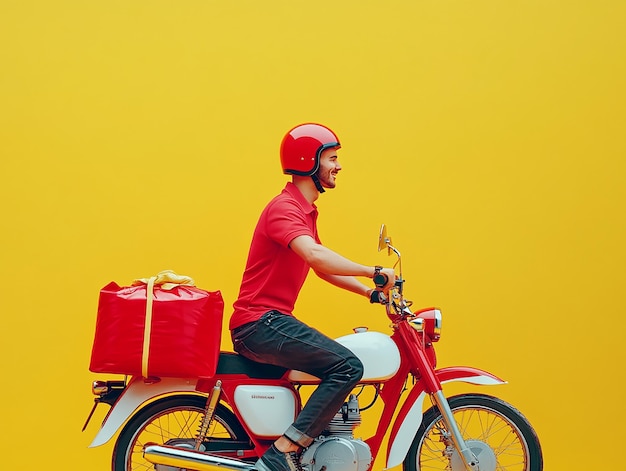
pixel 483 452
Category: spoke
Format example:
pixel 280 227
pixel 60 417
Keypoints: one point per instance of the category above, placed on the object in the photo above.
pixel 497 425
pixel 465 418
pixel 505 448
pixel 184 422
pixel 485 426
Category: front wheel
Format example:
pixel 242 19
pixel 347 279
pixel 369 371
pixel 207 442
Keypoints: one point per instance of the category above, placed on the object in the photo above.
pixel 175 420
pixel 497 433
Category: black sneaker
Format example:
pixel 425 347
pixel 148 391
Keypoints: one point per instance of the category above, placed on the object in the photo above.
pixel 276 460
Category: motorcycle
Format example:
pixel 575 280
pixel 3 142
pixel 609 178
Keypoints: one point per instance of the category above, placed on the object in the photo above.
pixel 228 421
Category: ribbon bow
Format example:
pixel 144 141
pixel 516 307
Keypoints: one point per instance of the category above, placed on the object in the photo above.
pixel 166 280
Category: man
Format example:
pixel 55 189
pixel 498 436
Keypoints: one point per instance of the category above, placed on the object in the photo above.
pixel 285 245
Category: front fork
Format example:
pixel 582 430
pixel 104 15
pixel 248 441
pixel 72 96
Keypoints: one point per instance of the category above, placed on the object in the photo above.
pixel 432 384
pixel 469 459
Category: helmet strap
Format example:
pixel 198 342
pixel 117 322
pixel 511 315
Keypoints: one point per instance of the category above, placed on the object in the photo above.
pixel 318 185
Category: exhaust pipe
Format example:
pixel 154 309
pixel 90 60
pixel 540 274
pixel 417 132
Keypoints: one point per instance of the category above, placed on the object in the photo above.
pixel 190 459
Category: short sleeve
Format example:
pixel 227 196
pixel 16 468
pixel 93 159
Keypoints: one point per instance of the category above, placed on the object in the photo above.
pixel 286 220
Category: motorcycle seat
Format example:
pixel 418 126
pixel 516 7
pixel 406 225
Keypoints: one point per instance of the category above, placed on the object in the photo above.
pixel 232 363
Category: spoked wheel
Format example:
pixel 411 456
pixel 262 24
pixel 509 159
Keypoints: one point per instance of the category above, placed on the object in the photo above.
pixel 497 433
pixel 175 421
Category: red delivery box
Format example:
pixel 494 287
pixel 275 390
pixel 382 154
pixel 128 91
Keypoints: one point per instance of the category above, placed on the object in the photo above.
pixel 161 326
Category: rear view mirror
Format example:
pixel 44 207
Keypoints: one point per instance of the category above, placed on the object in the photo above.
pixel 384 241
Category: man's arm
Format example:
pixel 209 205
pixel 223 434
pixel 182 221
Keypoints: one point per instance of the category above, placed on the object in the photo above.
pixel 349 283
pixel 335 268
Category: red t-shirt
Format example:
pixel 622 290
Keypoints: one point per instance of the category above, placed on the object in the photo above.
pixel 274 273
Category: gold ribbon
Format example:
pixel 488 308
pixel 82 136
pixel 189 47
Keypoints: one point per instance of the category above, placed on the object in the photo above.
pixel 166 280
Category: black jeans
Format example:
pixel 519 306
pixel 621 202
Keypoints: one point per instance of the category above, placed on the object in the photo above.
pixel 285 341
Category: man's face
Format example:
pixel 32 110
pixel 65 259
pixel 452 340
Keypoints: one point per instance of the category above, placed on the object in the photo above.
pixel 329 167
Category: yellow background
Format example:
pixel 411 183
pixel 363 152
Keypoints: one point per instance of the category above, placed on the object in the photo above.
pixel 137 136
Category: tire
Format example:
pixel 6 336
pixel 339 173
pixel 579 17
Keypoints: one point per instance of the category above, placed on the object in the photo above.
pixel 492 429
pixel 174 417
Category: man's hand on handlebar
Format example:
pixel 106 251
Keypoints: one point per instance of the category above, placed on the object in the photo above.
pixel 384 279
pixel 377 297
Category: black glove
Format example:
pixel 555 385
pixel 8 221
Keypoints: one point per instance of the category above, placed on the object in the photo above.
pixel 377 297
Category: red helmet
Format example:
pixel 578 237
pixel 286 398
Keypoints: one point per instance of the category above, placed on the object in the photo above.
pixel 302 146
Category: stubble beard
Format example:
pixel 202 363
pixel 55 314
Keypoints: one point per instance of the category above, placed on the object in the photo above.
pixel 327 180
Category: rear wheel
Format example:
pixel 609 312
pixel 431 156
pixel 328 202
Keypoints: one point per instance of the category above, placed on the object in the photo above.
pixel 175 420
pixel 497 433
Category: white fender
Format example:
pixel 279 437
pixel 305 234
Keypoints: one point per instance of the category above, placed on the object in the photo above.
pixel 408 428
pixel 137 393
pixel 410 421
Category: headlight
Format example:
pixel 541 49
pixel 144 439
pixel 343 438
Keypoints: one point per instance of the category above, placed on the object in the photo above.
pixel 428 321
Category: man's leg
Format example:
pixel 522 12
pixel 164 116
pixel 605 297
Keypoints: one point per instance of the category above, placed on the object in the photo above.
pixel 285 341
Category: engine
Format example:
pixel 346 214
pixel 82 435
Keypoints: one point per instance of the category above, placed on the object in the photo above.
pixel 337 449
